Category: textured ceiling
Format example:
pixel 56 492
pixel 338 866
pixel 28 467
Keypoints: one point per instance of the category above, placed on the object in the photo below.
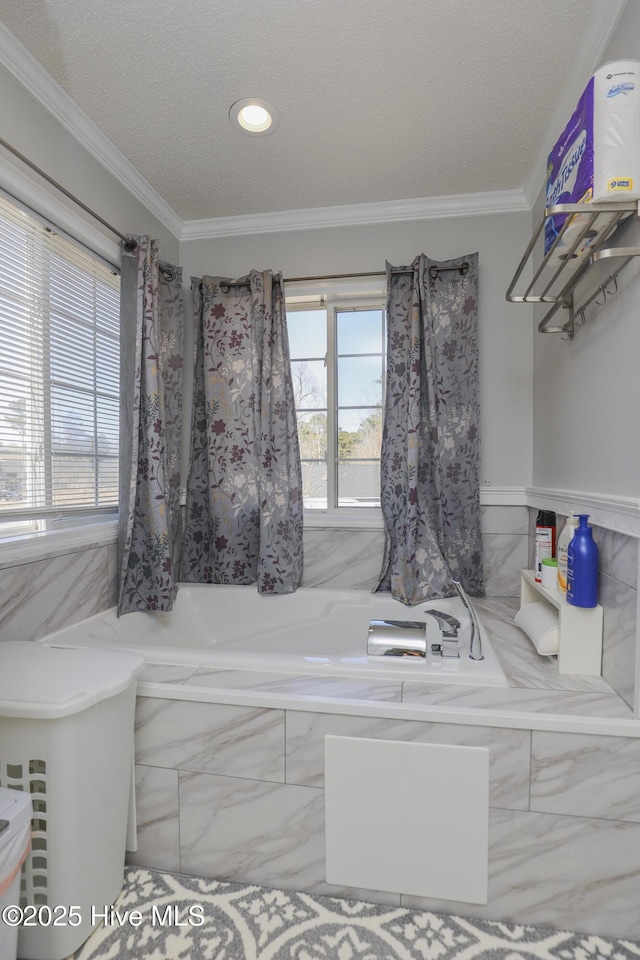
pixel 378 99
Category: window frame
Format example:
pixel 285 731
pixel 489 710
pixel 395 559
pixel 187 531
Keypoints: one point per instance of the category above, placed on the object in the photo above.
pixel 335 297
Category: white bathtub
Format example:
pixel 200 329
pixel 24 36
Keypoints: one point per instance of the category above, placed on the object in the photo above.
pixel 310 631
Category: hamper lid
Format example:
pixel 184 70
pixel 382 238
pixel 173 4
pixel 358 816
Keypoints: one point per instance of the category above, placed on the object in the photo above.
pixel 40 682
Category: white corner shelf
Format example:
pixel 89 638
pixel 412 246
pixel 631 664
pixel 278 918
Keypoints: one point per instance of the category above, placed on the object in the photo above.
pixel 580 628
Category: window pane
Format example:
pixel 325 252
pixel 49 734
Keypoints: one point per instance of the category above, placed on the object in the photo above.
pixel 71 352
pixel 74 480
pixel 108 479
pixel 359 484
pixel 359 434
pixel 107 363
pixel 71 290
pixel 12 476
pixel 312 435
pixel 72 422
pixel 314 485
pixel 359 381
pixel 307 333
pixel 107 312
pixel 309 384
pixel 360 331
pixel 14 404
pixel 107 427
pixel 342 393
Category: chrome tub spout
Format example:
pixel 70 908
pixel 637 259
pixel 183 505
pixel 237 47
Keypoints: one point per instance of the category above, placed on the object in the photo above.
pixel 475 643
pixel 408 638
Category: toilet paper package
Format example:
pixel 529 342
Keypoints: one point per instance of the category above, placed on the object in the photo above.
pixel 597 157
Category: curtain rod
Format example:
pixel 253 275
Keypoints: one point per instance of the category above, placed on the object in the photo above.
pixel 96 216
pixel 462 269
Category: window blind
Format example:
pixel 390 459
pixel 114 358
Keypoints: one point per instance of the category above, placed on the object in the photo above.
pixel 59 373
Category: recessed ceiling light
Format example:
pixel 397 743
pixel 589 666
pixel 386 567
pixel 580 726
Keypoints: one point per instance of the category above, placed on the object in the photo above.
pixel 253 116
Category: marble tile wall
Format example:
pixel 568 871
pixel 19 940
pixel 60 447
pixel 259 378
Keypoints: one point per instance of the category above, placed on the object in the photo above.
pixel 618 594
pixel 562 872
pixel 346 559
pixel 208 738
pixel 40 596
pixel 568 773
pixel 259 828
pixel 556 839
pixel 342 559
pixel 505 539
pixel 76 585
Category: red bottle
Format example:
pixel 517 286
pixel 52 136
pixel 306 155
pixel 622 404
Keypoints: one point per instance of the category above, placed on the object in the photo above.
pixel 545 540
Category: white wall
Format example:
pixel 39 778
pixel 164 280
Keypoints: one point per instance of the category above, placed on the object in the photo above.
pixel 587 392
pixel 505 330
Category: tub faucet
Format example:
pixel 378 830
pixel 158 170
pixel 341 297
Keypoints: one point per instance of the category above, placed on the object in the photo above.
pixel 475 643
pixel 401 638
pixel 449 626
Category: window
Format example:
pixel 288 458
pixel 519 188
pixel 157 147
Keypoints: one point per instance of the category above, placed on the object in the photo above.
pixel 338 368
pixel 59 375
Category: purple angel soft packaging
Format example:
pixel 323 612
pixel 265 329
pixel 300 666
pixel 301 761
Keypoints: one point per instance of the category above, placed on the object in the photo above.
pixel 597 156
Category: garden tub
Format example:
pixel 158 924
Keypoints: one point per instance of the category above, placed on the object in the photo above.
pixel 312 631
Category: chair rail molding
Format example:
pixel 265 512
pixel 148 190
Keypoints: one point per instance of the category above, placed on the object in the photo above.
pixel 621 514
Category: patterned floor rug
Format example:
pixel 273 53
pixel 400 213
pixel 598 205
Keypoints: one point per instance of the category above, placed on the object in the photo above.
pixel 188 918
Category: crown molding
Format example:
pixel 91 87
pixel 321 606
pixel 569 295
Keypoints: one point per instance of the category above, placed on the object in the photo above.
pixel 358 214
pixel 41 85
pixel 602 23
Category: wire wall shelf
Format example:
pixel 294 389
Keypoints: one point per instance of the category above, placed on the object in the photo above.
pixel 577 247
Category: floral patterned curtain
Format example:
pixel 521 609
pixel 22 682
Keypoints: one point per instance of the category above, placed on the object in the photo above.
pixel 244 494
pixel 430 483
pixel 150 428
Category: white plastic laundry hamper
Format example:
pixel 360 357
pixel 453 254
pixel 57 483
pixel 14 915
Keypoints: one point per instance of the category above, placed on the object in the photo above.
pixel 66 739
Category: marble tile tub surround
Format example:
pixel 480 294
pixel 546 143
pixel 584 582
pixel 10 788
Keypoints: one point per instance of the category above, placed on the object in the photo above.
pixel 237 792
pixel 618 594
pixel 79 583
pixel 554 844
pixel 351 558
pixel 40 596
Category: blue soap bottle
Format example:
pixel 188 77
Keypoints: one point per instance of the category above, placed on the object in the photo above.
pixel 582 566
